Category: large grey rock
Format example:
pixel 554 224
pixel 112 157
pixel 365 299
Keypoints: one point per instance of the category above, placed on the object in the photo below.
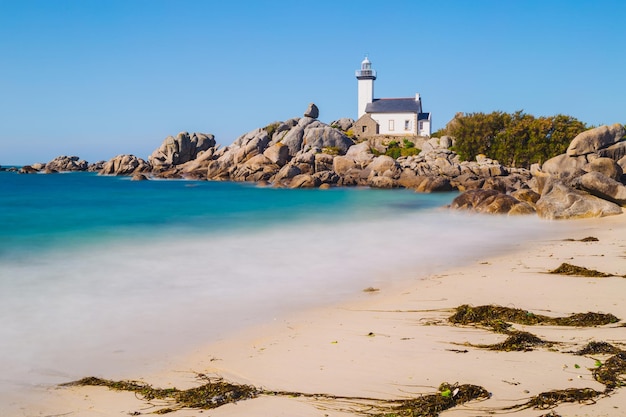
pixel 343 164
pixel 382 182
pixel 312 111
pixel 446 142
pixel 592 140
pixel 257 168
pixel 468 181
pixel 559 201
pixel 605 166
pixel 323 162
pixel 327 177
pixel 197 168
pixel 125 165
pixel 615 152
pixel 361 154
pixel 326 137
pixel 564 164
pixel 66 163
pixel 293 139
pixel 526 195
pixel 96 166
pixel 249 145
pixel 287 172
pixel 305 181
pixel 180 149
pixel 382 163
pixel 278 154
pixel 219 169
pixel 344 124
pixel 602 186
pixel 490 202
pixel 434 184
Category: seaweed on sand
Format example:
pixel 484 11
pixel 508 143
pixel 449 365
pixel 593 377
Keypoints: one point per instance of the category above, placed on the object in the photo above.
pixel 581 271
pixel 498 319
pixel 585 239
pixel 432 404
pixel 592 348
pixel 493 316
pixel 517 341
pixel 214 393
pixel 217 392
pixel 610 372
pixel 550 399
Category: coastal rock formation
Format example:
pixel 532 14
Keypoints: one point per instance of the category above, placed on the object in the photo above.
pixel 312 111
pixel 125 165
pixel 586 181
pixel 559 201
pixel 600 185
pixel 66 163
pixel 344 124
pixel 282 151
pixel 592 140
pixel 491 202
pixel 180 149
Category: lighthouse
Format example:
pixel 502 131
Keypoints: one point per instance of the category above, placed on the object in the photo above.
pixel 387 116
pixel 365 76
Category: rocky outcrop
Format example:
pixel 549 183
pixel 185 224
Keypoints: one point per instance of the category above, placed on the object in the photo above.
pixel 66 163
pixel 181 149
pixel 312 111
pixel 598 184
pixel 559 201
pixel 125 165
pixel 586 181
pixel 343 124
pixel 491 202
pixel 327 137
pixel 593 140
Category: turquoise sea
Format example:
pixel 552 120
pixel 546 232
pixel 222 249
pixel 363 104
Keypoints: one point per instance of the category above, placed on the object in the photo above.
pixel 109 277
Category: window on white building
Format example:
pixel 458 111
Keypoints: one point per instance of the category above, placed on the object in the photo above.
pixel 421 125
pixel 391 125
pixel 407 125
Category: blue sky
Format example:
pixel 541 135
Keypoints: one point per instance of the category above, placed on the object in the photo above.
pixel 97 78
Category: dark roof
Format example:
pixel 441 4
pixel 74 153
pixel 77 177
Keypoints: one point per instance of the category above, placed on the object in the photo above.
pixel 393 105
pixel 423 116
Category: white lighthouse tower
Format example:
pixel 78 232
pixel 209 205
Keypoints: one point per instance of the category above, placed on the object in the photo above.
pixel 365 76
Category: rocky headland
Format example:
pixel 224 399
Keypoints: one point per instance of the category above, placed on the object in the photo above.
pixel 587 181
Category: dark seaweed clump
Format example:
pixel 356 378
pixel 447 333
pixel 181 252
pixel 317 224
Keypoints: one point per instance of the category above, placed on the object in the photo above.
pixel 494 316
pixel 518 341
pixel 214 393
pixel 432 404
pixel 551 399
pixel 595 348
pixel 581 271
pixel 585 239
pixel 610 372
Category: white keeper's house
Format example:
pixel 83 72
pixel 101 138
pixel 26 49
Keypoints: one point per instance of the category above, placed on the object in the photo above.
pixel 387 116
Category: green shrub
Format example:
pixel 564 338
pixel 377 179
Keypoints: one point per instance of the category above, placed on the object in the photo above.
pixel 517 139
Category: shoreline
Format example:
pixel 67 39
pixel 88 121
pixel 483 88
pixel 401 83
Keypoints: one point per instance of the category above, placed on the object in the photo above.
pixel 396 342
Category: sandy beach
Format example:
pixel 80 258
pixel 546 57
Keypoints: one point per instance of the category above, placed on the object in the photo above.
pixel 396 342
